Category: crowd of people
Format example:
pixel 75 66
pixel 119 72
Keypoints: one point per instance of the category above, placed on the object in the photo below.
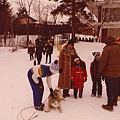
pixel 72 72
pixel 40 48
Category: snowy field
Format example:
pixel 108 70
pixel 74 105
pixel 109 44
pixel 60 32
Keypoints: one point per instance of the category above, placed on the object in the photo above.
pixel 16 94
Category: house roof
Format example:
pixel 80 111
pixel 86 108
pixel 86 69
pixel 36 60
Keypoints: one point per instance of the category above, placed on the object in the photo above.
pixel 24 19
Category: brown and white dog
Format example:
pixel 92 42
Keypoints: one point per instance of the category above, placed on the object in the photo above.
pixel 54 100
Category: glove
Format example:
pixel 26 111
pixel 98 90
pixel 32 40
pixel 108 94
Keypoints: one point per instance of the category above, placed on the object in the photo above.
pixel 56 61
pixel 39 85
pixel 60 70
pixel 51 92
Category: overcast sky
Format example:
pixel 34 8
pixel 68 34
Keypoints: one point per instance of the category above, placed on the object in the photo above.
pixel 46 2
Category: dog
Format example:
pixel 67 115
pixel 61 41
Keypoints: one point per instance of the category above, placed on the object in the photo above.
pixel 54 100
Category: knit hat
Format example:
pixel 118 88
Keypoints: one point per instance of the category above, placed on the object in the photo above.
pixel 96 54
pixel 54 68
pixel 76 58
pixel 109 39
pixel 71 42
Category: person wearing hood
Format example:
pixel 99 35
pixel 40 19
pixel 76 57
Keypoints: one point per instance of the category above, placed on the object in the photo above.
pixel 35 75
pixel 65 64
pixel 78 76
pixel 109 67
pixel 96 80
pixel 118 41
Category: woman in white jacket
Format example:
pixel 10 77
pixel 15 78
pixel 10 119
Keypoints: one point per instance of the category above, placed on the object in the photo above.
pixel 35 75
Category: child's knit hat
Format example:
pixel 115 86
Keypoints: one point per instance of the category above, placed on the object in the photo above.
pixel 76 58
pixel 54 68
pixel 96 54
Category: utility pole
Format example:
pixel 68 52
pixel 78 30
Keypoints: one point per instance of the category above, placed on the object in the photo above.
pixel 73 19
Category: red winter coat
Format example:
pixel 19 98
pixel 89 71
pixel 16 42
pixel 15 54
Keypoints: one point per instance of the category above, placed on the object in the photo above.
pixel 78 76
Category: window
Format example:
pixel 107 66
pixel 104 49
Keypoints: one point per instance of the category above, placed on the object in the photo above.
pixel 111 15
pixel 114 32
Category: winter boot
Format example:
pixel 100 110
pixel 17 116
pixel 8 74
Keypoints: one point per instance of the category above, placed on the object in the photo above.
pixel 40 108
pixel 66 93
pixel 80 93
pixel 75 93
pixel 106 107
pixel 115 104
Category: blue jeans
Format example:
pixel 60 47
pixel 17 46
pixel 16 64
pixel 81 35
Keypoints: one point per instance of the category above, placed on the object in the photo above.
pixel 112 89
pixel 37 92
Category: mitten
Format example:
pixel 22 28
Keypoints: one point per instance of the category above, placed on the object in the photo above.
pixel 60 70
pixel 39 85
pixel 85 78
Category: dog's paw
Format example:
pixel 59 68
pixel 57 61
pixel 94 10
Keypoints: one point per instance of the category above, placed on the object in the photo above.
pixel 60 111
pixel 47 111
pixel 63 99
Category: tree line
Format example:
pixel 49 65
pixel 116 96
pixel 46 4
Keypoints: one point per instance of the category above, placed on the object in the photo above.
pixel 74 9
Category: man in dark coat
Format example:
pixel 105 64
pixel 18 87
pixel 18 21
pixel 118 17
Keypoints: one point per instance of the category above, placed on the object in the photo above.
pixel 39 50
pixel 109 67
pixel 48 50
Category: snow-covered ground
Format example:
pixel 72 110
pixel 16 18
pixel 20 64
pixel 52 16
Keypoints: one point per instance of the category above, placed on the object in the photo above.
pixel 16 94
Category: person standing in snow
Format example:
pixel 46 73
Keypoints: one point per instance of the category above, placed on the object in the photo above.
pixel 96 80
pixel 65 65
pixel 31 49
pixel 48 50
pixel 39 50
pixel 35 75
pixel 109 67
pixel 78 76
pixel 119 90
pixel 118 41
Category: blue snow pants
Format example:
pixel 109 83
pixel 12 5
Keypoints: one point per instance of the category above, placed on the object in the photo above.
pixel 37 92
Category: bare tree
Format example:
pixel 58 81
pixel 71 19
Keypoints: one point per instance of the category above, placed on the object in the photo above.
pixel 95 6
pixel 27 5
pixel 43 12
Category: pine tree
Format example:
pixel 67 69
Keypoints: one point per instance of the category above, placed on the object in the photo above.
pixel 76 10
pixel 65 8
pixel 5 15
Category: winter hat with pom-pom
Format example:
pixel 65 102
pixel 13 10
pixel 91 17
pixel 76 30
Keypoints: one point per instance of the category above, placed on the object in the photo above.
pixel 54 68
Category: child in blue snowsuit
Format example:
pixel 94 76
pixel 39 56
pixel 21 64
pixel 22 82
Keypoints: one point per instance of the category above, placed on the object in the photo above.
pixel 35 75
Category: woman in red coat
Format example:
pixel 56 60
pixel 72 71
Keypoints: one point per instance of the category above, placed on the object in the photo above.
pixel 78 76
